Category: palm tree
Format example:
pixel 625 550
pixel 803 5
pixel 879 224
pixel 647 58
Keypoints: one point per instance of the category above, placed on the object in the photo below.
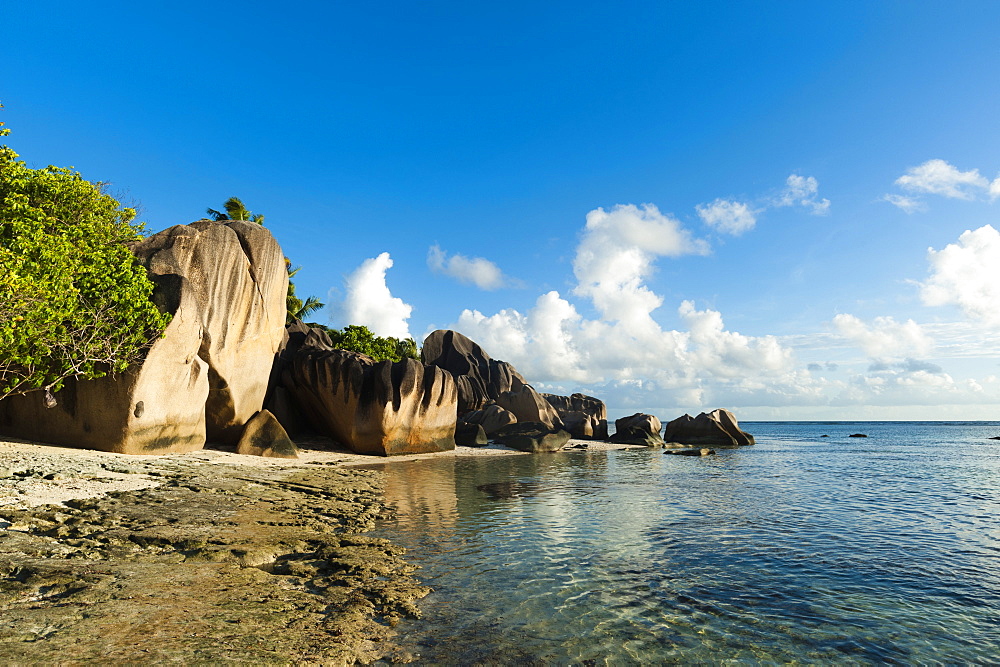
pixel 235 210
pixel 297 308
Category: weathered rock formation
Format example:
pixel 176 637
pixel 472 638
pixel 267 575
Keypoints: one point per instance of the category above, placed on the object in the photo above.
pixel 382 408
pixel 492 418
pixel 638 429
pixel 264 436
pixel 528 406
pixel 718 428
pixel 583 416
pixel 480 379
pixel 470 435
pixel 533 437
pixel 225 284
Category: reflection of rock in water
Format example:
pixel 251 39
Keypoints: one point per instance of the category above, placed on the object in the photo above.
pixel 505 490
pixel 424 495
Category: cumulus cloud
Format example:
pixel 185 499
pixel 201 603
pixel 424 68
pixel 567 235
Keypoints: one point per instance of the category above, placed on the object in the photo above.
pixel 884 336
pixel 477 271
pixel 736 217
pixel 369 302
pixel 938 177
pixel 730 217
pixel 803 191
pixel 967 274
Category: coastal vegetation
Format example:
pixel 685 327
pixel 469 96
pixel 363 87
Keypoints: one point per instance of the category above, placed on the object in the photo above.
pixel 359 338
pixel 74 302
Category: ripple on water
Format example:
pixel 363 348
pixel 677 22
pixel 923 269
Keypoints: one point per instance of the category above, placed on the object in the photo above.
pixel 880 550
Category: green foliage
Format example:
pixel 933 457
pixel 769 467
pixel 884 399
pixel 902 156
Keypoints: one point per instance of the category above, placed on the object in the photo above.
pixel 235 210
pixel 297 309
pixel 74 302
pixel 361 339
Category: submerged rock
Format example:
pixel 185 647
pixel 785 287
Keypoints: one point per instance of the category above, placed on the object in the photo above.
pixel 704 451
pixel 225 284
pixel 718 428
pixel 857 435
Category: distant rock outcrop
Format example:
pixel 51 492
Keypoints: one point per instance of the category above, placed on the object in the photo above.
pixel 583 416
pixel 638 429
pixel 225 284
pixel 479 378
pixel 533 437
pixel 382 408
pixel 718 428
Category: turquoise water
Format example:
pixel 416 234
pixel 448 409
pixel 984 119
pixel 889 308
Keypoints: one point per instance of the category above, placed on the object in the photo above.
pixel 801 548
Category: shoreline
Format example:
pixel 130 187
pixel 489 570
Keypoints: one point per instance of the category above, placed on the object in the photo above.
pixel 204 556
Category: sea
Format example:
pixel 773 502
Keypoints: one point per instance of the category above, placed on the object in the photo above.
pixel 809 547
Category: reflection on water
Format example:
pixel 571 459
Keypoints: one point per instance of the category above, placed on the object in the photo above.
pixel 798 549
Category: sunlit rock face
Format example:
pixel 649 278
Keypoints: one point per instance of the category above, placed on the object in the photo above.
pixel 479 378
pixel 225 284
pixel 371 407
pixel 583 416
pixel 718 428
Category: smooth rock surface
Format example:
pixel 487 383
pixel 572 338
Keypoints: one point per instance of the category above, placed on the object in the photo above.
pixel 264 436
pixel 638 429
pixel 527 405
pixel 492 418
pixel 583 416
pixel 533 437
pixel 479 378
pixel 718 428
pixel 381 408
pixel 470 435
pixel 225 284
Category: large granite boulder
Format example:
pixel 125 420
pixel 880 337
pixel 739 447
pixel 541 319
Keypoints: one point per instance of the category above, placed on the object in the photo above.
pixel 264 436
pixel 371 407
pixel 492 418
pixel 480 379
pixel 583 416
pixel 470 435
pixel 718 428
pixel 638 429
pixel 225 284
pixel 528 406
pixel 533 437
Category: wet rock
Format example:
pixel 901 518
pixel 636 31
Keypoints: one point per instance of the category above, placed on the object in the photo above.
pixel 492 418
pixel 470 435
pixel 704 451
pixel 527 405
pixel 264 436
pixel 225 284
pixel 533 437
pixel 381 408
pixel 480 379
pixel 857 435
pixel 638 429
pixel 718 428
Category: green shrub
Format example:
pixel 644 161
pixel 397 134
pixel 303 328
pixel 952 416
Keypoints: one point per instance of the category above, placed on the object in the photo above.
pixel 360 339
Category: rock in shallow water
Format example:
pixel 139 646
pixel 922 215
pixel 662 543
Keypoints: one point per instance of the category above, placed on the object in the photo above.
pixel 533 437
pixel 718 428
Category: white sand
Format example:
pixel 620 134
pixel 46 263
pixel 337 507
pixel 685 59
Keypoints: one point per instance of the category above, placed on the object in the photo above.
pixel 33 474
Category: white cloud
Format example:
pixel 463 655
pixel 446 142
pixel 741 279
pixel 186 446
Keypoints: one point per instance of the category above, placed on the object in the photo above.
pixel 730 217
pixel 884 337
pixel 802 191
pixel 616 255
pixel 369 302
pixel 477 271
pixel 967 274
pixel 907 204
pixel 941 178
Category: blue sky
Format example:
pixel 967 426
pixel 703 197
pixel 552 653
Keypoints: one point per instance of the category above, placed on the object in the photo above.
pixel 672 206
